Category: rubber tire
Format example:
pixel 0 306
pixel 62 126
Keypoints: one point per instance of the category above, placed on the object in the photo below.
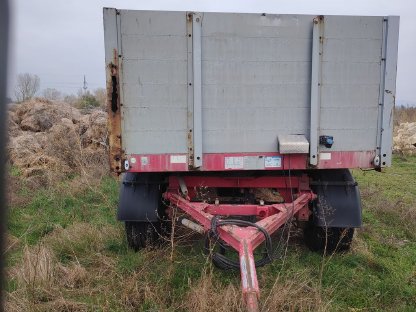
pixel 143 234
pixel 336 239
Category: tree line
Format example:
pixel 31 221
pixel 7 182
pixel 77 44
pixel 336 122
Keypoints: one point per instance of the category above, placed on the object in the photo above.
pixel 28 87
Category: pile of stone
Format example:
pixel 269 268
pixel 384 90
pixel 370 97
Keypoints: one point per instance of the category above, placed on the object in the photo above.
pixel 404 140
pixel 49 140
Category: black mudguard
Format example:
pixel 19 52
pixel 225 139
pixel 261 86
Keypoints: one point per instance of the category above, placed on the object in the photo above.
pixel 140 198
pixel 339 202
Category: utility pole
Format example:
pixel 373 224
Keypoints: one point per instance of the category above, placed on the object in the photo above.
pixel 85 87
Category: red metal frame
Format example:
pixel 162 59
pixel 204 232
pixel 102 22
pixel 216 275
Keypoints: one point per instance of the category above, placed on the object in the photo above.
pixel 216 162
pixel 244 239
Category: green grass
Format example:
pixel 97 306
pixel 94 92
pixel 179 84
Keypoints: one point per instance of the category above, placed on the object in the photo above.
pixel 378 274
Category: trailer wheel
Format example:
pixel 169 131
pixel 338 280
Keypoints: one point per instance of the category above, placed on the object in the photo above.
pixel 334 239
pixel 143 234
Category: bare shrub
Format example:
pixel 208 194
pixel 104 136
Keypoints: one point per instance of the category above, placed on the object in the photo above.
pixel 404 114
pixel 52 94
pixel 101 96
pixel 298 293
pixel 72 276
pixel 12 242
pixel 38 267
pixel 26 87
pixel 208 295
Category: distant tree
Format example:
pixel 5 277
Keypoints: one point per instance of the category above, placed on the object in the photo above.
pixel 52 94
pixel 26 87
pixel 71 99
pixel 101 96
pixel 87 100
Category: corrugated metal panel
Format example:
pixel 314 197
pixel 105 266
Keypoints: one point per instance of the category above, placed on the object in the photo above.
pixel 350 81
pixel 256 78
pixel 354 27
pixel 153 23
pixel 350 95
pixel 257 25
pixel 256 81
pixel 155 66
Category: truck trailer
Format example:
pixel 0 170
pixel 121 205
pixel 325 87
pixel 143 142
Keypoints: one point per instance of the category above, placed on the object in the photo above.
pixel 246 122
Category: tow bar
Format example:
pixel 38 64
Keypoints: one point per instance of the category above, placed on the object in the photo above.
pixel 243 236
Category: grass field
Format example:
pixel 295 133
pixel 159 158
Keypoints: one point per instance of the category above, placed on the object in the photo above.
pixel 66 252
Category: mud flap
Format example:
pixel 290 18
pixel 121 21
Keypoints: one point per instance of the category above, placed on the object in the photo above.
pixel 339 203
pixel 139 198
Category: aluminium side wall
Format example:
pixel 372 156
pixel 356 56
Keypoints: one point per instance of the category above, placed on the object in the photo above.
pixel 231 83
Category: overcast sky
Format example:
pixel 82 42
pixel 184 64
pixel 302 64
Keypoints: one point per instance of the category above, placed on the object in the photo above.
pixel 60 41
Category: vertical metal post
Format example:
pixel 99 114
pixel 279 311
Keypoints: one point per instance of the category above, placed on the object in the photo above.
pixel 197 87
pixel 190 96
pixel 317 43
pixel 388 88
pixel 112 24
pixel 376 160
pixel 4 38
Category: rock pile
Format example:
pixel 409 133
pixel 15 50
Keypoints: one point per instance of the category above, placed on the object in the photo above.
pixel 404 141
pixel 49 140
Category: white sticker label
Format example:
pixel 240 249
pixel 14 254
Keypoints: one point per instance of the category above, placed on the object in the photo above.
pixel 144 160
pixel 234 162
pixel 126 165
pixel 272 162
pixel 324 156
pixel 178 159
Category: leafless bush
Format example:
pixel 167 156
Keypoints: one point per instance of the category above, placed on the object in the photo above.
pixel 298 293
pixel 207 295
pixel 404 114
pixel 52 94
pixel 26 87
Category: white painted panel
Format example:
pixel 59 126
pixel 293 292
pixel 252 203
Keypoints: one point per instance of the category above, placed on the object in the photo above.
pixel 351 139
pixel 155 141
pixel 367 27
pixel 259 119
pixel 154 118
pixel 352 50
pixel 165 47
pixel 153 23
pixel 349 95
pixel 153 95
pixel 239 49
pixel 349 118
pixel 257 25
pixel 255 73
pixel 154 72
pixel 257 96
pixel 350 73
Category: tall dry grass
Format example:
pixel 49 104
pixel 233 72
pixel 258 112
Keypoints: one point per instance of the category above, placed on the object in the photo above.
pixel 404 114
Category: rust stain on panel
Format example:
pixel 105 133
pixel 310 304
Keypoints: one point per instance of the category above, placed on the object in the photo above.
pixel 114 115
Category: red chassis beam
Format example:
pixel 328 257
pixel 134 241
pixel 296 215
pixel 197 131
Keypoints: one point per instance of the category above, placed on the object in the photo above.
pixel 218 162
pixel 244 239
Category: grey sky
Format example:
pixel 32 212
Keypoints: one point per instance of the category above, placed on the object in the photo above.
pixel 60 41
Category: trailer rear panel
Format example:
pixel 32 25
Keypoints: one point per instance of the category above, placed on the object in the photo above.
pixel 224 91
